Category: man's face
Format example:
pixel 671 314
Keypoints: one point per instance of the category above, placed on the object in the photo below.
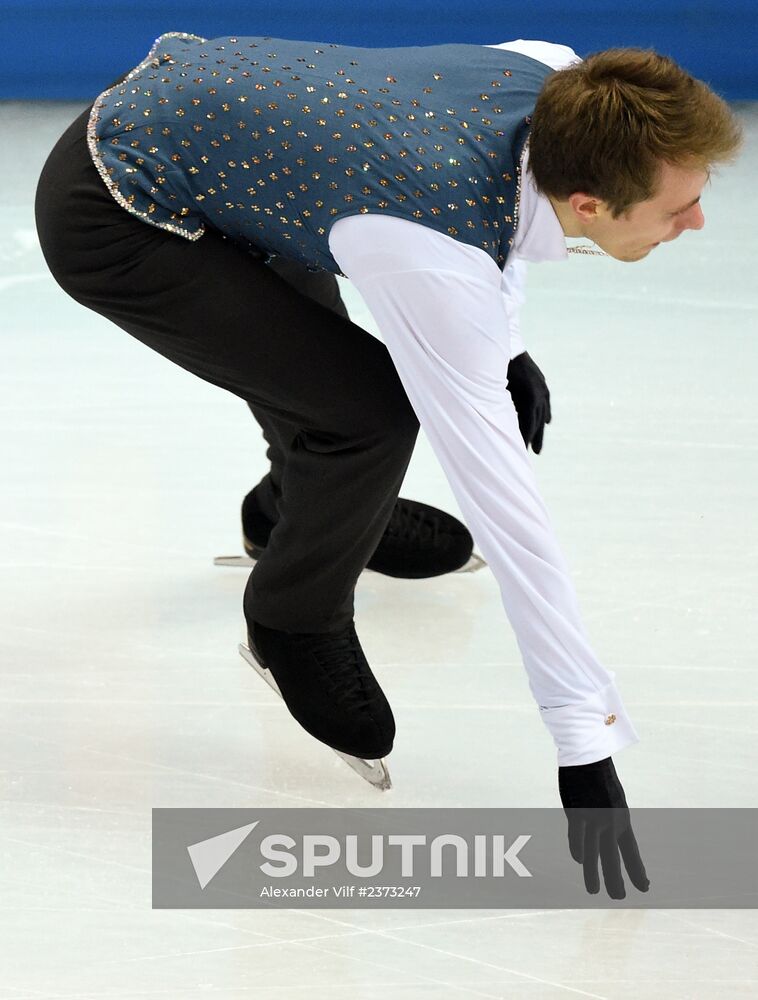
pixel 674 208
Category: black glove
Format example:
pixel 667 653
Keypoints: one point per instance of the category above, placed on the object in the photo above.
pixel 599 826
pixel 531 397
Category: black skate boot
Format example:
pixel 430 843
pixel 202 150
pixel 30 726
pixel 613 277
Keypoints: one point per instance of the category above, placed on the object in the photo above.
pixel 419 542
pixel 327 685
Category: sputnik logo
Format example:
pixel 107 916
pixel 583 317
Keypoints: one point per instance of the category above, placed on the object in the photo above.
pixel 209 856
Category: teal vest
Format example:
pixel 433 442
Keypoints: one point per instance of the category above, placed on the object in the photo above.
pixel 270 141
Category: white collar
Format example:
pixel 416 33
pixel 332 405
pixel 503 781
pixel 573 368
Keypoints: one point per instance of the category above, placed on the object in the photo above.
pixel 538 235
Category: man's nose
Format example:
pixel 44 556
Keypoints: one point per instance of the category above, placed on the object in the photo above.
pixel 694 218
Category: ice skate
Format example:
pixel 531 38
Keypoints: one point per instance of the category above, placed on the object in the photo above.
pixel 419 542
pixel 326 683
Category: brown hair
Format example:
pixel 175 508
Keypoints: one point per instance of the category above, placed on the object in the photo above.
pixel 603 127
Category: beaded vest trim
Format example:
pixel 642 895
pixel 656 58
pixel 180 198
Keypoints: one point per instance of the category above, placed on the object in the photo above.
pixel 93 140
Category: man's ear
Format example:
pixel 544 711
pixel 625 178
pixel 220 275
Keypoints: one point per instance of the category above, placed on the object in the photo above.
pixel 586 207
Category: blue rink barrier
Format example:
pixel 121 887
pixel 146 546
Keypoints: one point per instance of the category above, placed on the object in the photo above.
pixel 59 50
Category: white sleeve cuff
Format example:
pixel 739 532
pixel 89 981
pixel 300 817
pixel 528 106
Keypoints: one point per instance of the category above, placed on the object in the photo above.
pixel 516 344
pixel 592 730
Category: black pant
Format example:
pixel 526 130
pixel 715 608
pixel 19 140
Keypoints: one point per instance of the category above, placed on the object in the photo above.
pixel 338 423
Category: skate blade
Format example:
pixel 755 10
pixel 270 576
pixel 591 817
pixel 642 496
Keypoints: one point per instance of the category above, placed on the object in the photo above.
pixel 373 771
pixel 474 563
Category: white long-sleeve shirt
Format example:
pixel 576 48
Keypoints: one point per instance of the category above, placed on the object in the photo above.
pixel 450 321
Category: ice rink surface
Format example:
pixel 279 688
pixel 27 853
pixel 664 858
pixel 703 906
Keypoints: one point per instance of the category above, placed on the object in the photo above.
pixel 122 689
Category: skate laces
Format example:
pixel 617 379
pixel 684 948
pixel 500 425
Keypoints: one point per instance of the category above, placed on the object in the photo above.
pixel 410 524
pixel 341 658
